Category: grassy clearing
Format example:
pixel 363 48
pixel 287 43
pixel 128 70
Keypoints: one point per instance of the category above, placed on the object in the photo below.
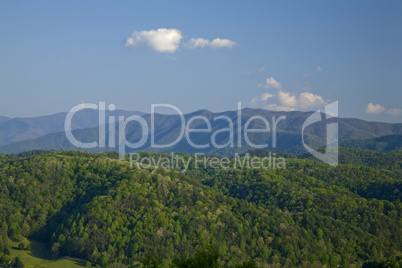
pixel 39 255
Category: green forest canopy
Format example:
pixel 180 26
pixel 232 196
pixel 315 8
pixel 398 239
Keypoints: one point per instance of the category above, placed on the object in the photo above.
pixel 95 207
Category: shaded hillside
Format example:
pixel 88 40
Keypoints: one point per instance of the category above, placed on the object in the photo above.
pixel 380 144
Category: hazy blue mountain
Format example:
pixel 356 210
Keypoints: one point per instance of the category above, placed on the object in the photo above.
pixel 27 128
pixel 3 118
pixel 167 129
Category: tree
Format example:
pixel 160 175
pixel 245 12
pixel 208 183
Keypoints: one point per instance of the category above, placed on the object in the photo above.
pixel 55 250
pixel 6 251
pixel 208 258
pixel 17 263
pixel 103 260
pixel 4 226
pixel 248 264
pixel 21 246
pixel 150 261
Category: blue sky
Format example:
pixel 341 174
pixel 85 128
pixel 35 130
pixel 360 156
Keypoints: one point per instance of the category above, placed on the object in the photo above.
pixel 281 55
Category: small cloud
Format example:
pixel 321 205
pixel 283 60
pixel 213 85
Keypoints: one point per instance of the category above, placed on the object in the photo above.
pixel 265 96
pixel 254 101
pixel 216 43
pixel 169 40
pixel 286 99
pixel 306 75
pixel 279 108
pixel 318 68
pixel 395 111
pixel 271 83
pixel 197 42
pixel 262 98
pixel 305 100
pixel 308 100
pixel 161 40
pixel 374 109
pixel 379 109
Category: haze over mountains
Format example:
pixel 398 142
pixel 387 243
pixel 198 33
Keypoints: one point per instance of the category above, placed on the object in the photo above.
pixel 26 128
pixel 47 132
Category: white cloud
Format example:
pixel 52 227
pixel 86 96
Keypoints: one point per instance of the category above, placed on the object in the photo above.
pixel 308 100
pixel 169 40
pixel 374 109
pixel 161 40
pixel 379 109
pixel 261 99
pixel 276 107
pixel 265 96
pixel 254 101
pixel 271 83
pixel 287 99
pixel 197 42
pixel 318 68
pixel 216 43
pixel 394 111
pixel 305 100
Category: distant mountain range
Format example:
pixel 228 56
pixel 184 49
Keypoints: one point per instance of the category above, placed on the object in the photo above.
pixel 4 118
pixel 27 128
pixel 47 132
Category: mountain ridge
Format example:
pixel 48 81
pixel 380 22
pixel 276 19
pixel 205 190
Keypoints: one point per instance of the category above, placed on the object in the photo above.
pixel 289 138
pixel 27 128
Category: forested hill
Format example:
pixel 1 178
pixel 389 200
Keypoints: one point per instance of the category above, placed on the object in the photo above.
pixel 96 207
pixel 389 160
